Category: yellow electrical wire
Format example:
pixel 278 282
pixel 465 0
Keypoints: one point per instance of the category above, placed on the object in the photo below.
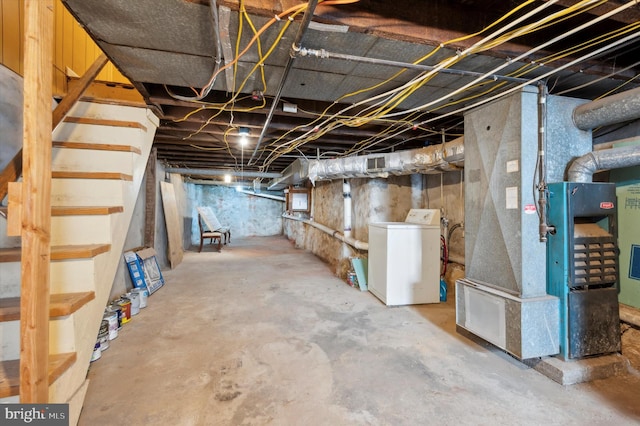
pixel 528 28
pixel 397 98
pixel 422 59
pixel 615 89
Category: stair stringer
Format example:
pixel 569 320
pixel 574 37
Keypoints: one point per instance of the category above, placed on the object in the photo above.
pixel 71 386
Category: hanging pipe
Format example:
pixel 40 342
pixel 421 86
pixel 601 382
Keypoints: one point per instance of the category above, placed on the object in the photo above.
pixel 295 47
pixel 346 194
pixel 360 245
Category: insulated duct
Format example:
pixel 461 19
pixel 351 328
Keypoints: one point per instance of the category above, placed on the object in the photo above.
pixel 431 159
pixel 618 108
pixel 583 168
pixel 293 174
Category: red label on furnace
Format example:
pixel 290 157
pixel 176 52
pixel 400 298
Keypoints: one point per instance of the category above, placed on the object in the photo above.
pixel 607 205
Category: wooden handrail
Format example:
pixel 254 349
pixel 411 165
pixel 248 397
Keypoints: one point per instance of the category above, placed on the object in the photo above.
pixel 13 170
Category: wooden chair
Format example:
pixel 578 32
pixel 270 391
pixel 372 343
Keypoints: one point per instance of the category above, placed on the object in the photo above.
pixel 205 233
pixel 212 224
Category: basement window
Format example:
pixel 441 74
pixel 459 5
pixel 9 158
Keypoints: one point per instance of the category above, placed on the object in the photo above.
pixel 298 200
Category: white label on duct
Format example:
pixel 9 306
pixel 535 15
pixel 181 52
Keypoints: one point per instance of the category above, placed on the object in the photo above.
pixel 513 166
pixel 512 197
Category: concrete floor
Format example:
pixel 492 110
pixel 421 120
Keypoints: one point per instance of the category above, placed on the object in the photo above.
pixel 262 333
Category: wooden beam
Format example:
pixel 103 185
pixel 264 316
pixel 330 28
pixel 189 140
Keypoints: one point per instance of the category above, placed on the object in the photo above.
pixel 36 202
pixel 629 16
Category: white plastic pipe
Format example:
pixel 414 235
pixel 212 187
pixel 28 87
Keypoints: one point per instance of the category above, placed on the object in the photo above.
pixel 360 245
pixel 346 194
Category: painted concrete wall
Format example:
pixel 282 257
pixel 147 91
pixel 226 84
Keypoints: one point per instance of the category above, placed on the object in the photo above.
pixel 135 236
pixel 245 214
pixel 10 115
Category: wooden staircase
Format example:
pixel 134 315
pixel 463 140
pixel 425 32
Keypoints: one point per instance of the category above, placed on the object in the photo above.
pixel 99 155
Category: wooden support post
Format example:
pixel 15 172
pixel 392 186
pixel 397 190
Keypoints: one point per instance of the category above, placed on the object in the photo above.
pixel 36 202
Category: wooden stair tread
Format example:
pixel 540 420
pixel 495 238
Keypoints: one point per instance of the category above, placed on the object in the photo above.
pixel 76 210
pixel 61 305
pixel 103 122
pixel 10 254
pixel 80 251
pixel 97 146
pixel 85 210
pixel 10 372
pixel 90 175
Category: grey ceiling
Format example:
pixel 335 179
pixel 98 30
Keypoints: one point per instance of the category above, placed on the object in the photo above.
pixel 173 43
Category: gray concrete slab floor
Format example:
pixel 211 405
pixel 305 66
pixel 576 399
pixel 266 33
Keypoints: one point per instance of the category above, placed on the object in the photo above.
pixel 263 333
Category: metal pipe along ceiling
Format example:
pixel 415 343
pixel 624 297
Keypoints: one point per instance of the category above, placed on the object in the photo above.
pixel 211 172
pixel 306 19
pixel 322 53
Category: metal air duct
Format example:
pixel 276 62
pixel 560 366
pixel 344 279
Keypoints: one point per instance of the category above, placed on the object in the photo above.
pixel 617 108
pixel 583 168
pixel 431 159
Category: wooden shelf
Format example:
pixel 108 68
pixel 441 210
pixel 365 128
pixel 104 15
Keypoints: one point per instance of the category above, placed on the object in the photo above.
pixel 10 372
pixel 85 211
pixel 81 251
pixel 97 146
pixel 61 305
pixel 91 175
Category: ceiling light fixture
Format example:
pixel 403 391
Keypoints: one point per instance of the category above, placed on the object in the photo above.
pixel 289 107
pixel 243 132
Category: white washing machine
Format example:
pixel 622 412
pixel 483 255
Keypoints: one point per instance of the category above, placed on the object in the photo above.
pixel 404 259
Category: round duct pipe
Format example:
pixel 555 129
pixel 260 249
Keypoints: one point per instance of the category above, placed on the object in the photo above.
pixel 583 168
pixel 613 109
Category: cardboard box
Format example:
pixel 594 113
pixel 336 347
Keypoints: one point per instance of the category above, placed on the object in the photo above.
pixel 144 269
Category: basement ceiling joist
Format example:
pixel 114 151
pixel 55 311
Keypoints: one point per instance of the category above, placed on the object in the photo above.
pixel 170 46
